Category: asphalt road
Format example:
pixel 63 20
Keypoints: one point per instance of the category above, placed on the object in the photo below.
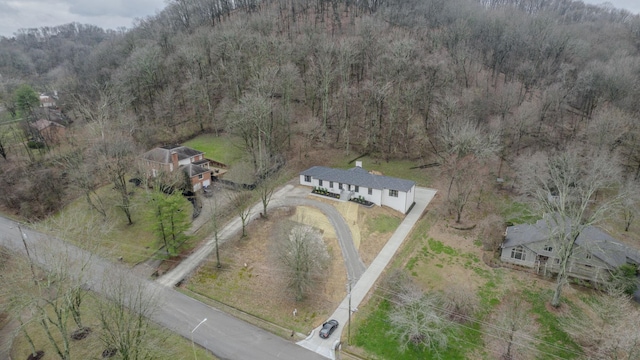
pixel 223 335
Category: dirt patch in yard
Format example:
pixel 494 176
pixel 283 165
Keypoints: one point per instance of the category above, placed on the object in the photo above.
pixel 314 217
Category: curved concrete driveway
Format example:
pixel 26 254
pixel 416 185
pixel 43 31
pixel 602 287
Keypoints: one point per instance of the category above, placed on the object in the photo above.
pixel 361 288
pixel 352 261
pixel 287 196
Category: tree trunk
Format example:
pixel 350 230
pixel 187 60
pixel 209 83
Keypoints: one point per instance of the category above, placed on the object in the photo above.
pixel 562 278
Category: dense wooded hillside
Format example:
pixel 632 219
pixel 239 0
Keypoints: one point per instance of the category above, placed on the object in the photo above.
pixel 428 79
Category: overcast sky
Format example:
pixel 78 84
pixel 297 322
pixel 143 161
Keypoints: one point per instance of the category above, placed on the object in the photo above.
pixel 107 14
pixel 111 14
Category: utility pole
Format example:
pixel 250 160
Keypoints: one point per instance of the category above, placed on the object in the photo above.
pixel 26 248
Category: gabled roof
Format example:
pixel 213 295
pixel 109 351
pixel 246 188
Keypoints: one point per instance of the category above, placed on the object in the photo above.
pixel 360 177
pixel 163 154
pixel 193 170
pixel 44 123
pixel 595 241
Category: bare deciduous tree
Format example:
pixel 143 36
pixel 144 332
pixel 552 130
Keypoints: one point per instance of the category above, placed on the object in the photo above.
pixel 630 202
pixel 419 320
pixel 569 188
pixel 303 255
pixel 266 187
pixel 241 202
pixel 491 232
pixel 215 226
pixel 461 303
pixel 511 331
pixel 52 297
pixel 124 315
pixel 465 146
pixel 252 122
pixel 608 329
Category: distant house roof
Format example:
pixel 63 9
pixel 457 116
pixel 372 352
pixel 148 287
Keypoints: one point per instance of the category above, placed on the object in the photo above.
pixel 194 170
pixel 44 123
pixel 592 239
pixel 163 154
pixel 360 177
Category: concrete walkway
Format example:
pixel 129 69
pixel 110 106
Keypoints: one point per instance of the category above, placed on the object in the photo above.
pixel 325 347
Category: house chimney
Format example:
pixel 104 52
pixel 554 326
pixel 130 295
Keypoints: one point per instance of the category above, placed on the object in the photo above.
pixel 174 160
pixel 359 164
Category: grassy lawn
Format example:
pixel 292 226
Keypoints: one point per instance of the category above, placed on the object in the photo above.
pixel 112 237
pixel 374 334
pixel 165 344
pixel 438 260
pixel 519 213
pixel 225 149
pixel 555 343
pixel 394 168
pixel 383 223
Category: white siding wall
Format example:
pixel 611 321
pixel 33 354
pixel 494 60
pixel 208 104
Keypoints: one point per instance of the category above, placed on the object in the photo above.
pixel 378 197
pixel 375 197
pixel 302 182
pixel 396 203
pixel 410 198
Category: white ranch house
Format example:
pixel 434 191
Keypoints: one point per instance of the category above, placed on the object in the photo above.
pixel 356 182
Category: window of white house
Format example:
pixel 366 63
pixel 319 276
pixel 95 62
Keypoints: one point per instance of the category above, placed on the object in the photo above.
pixel 557 261
pixel 319 182
pixel 518 253
pixel 393 193
pixel 307 178
pixel 588 256
pixel 357 189
pixel 331 184
pixel 370 191
pixel 340 186
pixel 548 248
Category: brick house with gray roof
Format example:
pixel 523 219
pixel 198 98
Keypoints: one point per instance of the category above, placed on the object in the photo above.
pixel 595 256
pixel 175 157
pixel 357 182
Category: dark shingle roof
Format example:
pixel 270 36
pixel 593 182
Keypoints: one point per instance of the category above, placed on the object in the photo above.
pixel 163 154
pixel 592 239
pixel 360 177
pixel 193 169
pixel 42 124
